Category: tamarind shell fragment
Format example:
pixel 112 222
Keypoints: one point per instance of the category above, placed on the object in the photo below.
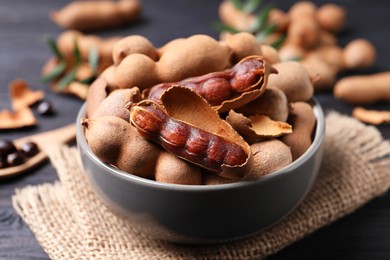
pixel 257 127
pixel 178 124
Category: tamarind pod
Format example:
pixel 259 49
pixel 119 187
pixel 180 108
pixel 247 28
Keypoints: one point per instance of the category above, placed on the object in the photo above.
pixel 216 87
pixel 303 121
pixel 184 140
pixel 363 89
pixel 94 15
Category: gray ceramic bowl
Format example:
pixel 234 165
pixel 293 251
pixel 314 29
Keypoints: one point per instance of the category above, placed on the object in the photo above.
pixel 204 214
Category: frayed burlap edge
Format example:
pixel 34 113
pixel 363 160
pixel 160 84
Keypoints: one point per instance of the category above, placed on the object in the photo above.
pixel 70 222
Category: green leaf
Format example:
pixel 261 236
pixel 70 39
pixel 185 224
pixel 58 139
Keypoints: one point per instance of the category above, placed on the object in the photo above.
pixel 278 42
pixel 263 34
pixel 54 73
pixel 67 79
pixel 88 80
pixel 251 5
pixel 93 59
pixel 76 52
pixel 224 28
pixel 261 19
pixel 237 3
pixel 54 48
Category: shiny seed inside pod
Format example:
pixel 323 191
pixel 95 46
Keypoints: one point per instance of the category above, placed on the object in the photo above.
pixel 16 158
pixel 30 149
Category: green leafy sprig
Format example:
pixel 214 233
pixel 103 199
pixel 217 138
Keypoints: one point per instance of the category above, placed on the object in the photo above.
pixel 261 28
pixel 64 73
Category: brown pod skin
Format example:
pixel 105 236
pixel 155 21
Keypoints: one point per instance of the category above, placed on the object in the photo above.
pixel 116 142
pixel 268 157
pixel 322 74
pixel 116 103
pixel 133 44
pixel 196 55
pixel 66 43
pixel 359 54
pixel 186 141
pixel 272 103
pixel 293 79
pixel 303 32
pixel 365 89
pixel 303 121
pixel 243 44
pixel 171 169
pixel 95 15
pixel 178 59
pixel 331 17
pixel 217 87
pixel 213 179
pixel 128 72
pixel 97 92
pixel 270 54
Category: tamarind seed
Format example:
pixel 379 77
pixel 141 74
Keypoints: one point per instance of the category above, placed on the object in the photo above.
pixel 45 108
pixel 3 162
pixel 29 149
pixel 175 134
pixel 6 147
pixel 246 74
pixel 15 158
pixel 197 144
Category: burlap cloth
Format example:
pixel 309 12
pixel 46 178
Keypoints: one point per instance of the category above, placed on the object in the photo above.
pixel 70 222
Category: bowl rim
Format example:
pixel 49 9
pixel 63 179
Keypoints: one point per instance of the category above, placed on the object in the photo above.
pixel 317 141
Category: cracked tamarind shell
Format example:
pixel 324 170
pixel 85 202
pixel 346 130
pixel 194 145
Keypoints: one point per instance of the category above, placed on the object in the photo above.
pixel 257 127
pixel 189 111
pixel 252 92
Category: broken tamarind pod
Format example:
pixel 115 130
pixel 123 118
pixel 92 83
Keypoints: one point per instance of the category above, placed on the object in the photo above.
pixel 178 125
pixel 272 103
pixel 22 96
pixel 217 87
pixel 188 142
pixel 17 119
pixel 94 15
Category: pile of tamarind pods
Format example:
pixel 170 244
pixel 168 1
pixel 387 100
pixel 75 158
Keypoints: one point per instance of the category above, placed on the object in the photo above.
pixel 311 38
pixel 199 111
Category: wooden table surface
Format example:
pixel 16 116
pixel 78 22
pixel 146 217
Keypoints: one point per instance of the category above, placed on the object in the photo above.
pixel 24 24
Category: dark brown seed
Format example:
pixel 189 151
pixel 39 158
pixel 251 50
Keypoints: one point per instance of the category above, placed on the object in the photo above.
pixel 3 162
pixel 6 147
pixel 30 149
pixel 15 158
pixel 45 108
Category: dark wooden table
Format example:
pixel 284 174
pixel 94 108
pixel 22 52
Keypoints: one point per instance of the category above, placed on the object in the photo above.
pixel 24 24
